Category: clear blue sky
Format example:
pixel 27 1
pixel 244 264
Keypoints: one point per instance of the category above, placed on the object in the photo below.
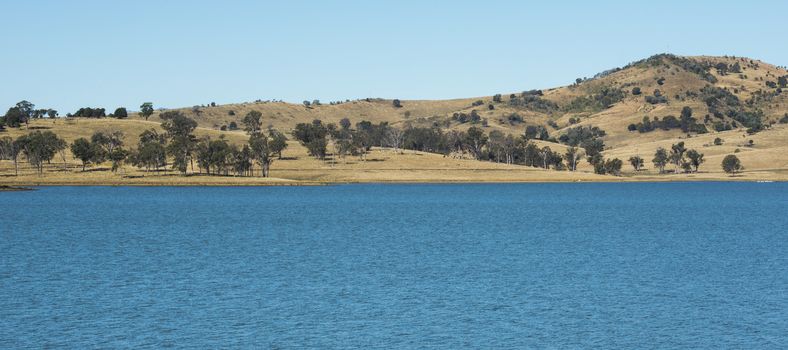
pixel 69 54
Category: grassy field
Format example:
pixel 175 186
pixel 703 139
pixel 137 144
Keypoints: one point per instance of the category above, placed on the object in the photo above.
pixel 766 160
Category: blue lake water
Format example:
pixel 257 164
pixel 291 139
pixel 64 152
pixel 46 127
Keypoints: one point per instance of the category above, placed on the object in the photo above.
pixel 678 265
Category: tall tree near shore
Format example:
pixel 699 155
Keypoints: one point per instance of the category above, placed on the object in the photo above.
pixel 731 164
pixel 572 157
pixel 179 130
pixel 660 159
pixel 313 137
pixel 6 142
pixel 395 137
pixel 83 150
pixel 476 140
pixel 117 156
pixel 262 152
pixel 40 147
pixel 636 162
pixel 243 161
pixel 677 154
pixel 10 149
pixel 696 159
pixel 277 142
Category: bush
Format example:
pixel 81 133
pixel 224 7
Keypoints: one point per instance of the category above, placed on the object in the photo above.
pixel 497 98
pixel 233 126
pixel 656 99
pixel 577 135
pixel 722 102
pixel 231 112
pixel 462 118
pixel 514 118
pixel 690 65
pixel 636 91
pixel 722 126
pixel 605 98
pixel 533 102
pixel 783 81
pixel 121 113
pixel 536 132
pixel 396 103
pixel 532 93
pixel 717 141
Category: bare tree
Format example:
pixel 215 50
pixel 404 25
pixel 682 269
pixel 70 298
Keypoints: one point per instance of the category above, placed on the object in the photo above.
pixel 572 156
pixel 395 137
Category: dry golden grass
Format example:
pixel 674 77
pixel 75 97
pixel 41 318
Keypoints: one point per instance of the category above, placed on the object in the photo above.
pixel 765 161
pixel 296 167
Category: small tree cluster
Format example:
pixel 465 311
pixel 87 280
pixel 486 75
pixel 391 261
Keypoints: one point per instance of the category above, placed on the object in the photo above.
pixel 689 160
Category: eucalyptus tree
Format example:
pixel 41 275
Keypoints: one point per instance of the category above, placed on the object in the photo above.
pixel 151 152
pixel 242 161
pixel 476 140
pixel 262 152
pixel 637 162
pixel 277 142
pixel 108 141
pixel 395 137
pixel 731 164
pixel 677 154
pixel 572 157
pixel 10 149
pixel 660 159
pixel 83 150
pixel 121 113
pixel 313 137
pixel 40 147
pixel 695 159
pixel 179 130
pixel 253 122
pixel 146 110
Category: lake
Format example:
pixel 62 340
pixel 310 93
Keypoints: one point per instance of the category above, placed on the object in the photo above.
pixel 632 265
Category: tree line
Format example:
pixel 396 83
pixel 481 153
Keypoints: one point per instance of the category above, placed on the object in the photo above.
pixel 24 111
pixel 496 146
pixel 178 144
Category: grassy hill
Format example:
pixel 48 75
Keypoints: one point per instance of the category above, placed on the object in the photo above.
pixel 675 77
pixel 723 93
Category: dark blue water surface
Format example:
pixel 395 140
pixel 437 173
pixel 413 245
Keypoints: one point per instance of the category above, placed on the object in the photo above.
pixel 680 265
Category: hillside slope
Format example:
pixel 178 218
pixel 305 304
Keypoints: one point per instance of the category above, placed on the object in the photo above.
pixel 605 101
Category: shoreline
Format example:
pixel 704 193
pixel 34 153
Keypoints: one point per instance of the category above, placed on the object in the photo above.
pixel 14 188
pixel 26 185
